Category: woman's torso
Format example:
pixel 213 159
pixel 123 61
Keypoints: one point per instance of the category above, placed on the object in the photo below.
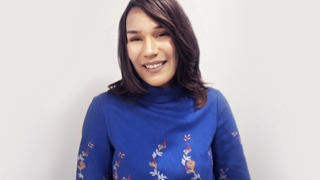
pixel 152 137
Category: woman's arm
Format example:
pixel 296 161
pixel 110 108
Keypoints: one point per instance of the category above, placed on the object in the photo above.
pixel 228 156
pixel 95 152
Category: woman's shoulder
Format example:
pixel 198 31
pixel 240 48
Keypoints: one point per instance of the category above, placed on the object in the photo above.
pixel 213 93
pixel 215 96
pixel 106 98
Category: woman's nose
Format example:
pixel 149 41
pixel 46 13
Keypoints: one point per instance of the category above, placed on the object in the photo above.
pixel 150 48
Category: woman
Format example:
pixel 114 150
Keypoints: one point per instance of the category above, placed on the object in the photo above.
pixel 159 121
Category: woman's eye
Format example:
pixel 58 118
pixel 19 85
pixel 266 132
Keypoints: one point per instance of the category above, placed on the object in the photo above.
pixel 163 34
pixel 135 39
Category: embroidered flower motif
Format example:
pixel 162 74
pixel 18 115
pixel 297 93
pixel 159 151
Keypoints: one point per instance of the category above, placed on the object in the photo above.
pixel 125 178
pixel 196 176
pixel 209 152
pixel 90 145
pixel 186 161
pixel 117 164
pixel 80 158
pixel 187 151
pixel 222 175
pixel 82 165
pixel 154 162
pixel 115 175
pixel 155 172
pixel 161 177
pixel 191 164
pixel 85 154
pixel 158 152
pixel 236 134
pixel 121 155
pixel 80 175
pixel 187 137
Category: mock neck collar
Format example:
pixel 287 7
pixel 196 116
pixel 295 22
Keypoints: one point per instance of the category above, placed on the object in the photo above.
pixel 161 95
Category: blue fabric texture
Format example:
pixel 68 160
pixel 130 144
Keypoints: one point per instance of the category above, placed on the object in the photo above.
pixel 160 136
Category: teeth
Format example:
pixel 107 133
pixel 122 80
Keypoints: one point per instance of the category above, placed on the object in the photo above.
pixel 153 66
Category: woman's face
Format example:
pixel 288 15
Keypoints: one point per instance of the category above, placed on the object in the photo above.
pixel 150 49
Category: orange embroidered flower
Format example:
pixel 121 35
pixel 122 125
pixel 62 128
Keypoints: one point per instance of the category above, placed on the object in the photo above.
pixel 82 165
pixel 115 175
pixel 117 164
pixel 154 163
pixel 191 164
pixel 186 160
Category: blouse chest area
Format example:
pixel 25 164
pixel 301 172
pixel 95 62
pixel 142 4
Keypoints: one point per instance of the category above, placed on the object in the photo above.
pixel 154 145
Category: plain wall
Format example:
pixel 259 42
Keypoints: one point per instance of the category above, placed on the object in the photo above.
pixel 57 55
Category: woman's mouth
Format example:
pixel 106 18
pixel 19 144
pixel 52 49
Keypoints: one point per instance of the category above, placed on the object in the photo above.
pixel 155 66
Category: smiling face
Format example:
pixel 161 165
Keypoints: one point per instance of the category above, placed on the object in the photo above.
pixel 150 49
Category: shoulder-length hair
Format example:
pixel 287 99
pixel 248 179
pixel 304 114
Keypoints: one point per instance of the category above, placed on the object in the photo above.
pixel 170 15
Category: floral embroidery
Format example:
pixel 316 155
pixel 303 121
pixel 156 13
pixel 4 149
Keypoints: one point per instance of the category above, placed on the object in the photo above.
pixel 154 163
pixel 117 164
pixel 121 155
pixel 209 153
pixel 90 145
pixel 196 176
pixel 85 154
pixel 80 175
pixel 81 164
pixel 126 178
pixel 236 134
pixel 222 175
pixel 189 164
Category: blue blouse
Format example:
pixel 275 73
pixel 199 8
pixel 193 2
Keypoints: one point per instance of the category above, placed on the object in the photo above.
pixel 160 136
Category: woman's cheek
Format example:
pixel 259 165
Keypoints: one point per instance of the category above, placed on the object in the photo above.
pixel 133 52
pixel 130 52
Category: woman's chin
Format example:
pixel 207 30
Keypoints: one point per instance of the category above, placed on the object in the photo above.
pixel 161 83
pixel 157 84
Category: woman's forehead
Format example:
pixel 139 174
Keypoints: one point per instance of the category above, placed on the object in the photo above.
pixel 138 19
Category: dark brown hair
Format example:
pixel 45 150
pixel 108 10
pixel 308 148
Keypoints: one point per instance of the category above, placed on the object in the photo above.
pixel 170 15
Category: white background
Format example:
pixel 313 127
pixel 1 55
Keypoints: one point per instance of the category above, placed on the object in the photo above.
pixel 57 55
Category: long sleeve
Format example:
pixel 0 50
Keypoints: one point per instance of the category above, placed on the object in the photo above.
pixel 95 152
pixel 227 151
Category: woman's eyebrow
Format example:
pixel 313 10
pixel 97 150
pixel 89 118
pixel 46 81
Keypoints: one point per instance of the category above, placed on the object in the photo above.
pixel 158 27
pixel 133 32
pixel 137 32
